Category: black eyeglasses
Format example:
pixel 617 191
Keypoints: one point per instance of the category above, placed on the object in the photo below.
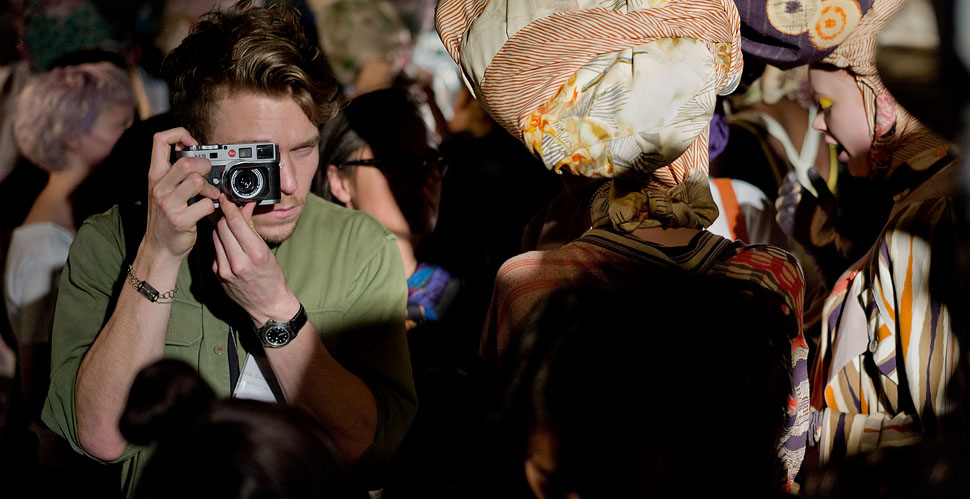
pixel 399 166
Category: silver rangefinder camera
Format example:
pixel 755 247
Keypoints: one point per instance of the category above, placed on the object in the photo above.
pixel 244 172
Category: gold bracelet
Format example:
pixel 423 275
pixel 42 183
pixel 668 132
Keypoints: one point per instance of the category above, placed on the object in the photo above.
pixel 148 291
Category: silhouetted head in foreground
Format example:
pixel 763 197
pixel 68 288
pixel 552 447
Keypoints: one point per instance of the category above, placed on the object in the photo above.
pixel 225 448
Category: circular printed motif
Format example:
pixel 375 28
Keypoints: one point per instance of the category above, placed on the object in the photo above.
pixel 836 20
pixel 793 17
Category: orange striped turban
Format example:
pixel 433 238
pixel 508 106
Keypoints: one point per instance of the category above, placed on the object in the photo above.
pixel 626 90
pixel 898 137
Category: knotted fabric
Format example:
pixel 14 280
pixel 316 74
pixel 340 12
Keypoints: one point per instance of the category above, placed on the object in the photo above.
pixel 623 92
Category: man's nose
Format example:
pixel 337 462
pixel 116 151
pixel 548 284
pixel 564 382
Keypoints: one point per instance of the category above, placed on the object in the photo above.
pixel 288 182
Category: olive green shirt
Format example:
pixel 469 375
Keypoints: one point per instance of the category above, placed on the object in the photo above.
pixel 343 266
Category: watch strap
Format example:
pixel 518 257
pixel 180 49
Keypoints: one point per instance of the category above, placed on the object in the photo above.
pixel 294 326
pixel 298 321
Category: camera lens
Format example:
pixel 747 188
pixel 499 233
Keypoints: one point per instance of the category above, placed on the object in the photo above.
pixel 246 183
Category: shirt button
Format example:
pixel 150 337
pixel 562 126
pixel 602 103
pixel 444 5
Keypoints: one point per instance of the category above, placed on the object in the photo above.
pixel 219 349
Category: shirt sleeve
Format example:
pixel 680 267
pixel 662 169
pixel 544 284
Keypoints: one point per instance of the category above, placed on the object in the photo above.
pixel 91 276
pixel 377 350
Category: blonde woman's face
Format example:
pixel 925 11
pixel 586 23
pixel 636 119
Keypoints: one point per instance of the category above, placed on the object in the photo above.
pixel 842 117
pixel 104 133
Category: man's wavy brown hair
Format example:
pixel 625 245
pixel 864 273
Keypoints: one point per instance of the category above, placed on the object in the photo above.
pixel 248 49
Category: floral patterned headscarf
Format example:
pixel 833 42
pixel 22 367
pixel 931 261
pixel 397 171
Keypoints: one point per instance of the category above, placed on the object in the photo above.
pixel 791 33
pixel 623 92
pixel 842 33
pixel 897 137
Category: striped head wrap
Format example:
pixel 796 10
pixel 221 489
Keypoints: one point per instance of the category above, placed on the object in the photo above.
pixel 897 137
pixel 624 90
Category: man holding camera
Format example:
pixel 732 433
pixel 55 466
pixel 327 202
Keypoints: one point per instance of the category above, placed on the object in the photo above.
pixel 320 287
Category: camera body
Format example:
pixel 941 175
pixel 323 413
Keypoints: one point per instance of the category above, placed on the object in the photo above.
pixel 244 172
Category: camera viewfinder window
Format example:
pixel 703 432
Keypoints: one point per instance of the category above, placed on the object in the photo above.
pixel 264 151
pixel 245 152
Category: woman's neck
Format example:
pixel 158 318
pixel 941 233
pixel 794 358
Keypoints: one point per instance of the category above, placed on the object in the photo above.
pixel 406 246
pixel 54 203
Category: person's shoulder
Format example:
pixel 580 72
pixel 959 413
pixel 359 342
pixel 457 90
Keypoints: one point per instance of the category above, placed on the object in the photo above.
pixel 333 230
pixel 923 218
pixel 120 226
pixel 543 266
pixel 322 216
pixel 42 234
pixel 530 259
pixel 106 222
pixel 765 254
pixel 764 260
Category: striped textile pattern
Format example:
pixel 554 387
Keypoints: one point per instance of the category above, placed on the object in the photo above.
pixel 882 379
pixel 606 256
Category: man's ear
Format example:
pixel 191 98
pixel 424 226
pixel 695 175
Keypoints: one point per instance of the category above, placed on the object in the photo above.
pixel 339 185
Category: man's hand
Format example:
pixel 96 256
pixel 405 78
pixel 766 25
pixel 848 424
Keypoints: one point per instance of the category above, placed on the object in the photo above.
pixel 171 231
pixel 248 269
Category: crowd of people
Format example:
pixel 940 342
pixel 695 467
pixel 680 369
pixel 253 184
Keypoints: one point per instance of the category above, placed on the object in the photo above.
pixel 467 248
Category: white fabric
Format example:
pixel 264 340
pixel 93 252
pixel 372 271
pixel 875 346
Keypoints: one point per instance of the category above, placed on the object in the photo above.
pixel 758 212
pixel 802 160
pixel 36 256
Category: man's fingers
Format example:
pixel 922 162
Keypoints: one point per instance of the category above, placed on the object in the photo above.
pixel 178 173
pixel 196 211
pixel 221 263
pixel 234 251
pixel 191 186
pixel 247 211
pixel 162 144
pixel 237 220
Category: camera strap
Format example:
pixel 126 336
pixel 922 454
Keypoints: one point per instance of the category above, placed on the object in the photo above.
pixel 233 361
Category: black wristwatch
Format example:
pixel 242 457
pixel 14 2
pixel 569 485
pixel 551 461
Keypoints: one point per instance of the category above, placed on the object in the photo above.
pixel 279 334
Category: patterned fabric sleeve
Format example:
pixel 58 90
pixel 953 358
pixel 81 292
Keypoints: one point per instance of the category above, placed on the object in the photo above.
pixel 893 387
pixel 778 271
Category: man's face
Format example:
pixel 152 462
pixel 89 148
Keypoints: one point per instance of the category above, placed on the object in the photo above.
pixel 242 117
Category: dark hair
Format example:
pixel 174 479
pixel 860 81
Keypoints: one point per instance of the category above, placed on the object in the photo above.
pixel 339 142
pixel 248 49
pixel 388 121
pixel 225 448
pixel 644 392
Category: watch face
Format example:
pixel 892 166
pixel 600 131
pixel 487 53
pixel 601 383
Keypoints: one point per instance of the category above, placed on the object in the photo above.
pixel 276 336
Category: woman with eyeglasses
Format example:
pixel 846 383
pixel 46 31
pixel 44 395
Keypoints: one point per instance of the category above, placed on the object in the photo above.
pixel 378 156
